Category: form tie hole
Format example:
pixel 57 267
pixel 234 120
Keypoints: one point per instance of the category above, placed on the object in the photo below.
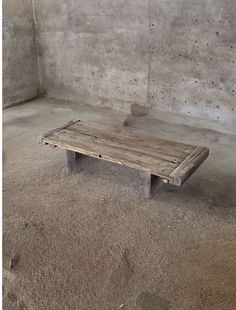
pixel 100 156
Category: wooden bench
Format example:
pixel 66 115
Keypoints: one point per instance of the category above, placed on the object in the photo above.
pixel 171 162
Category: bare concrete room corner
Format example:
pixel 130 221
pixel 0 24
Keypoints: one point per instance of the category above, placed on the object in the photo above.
pixel 152 82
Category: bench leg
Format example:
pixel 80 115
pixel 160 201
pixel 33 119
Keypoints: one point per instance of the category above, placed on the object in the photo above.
pixel 145 184
pixel 147 181
pixel 72 158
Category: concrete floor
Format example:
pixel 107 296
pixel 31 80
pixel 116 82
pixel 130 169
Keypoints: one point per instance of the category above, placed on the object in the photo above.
pixel 88 241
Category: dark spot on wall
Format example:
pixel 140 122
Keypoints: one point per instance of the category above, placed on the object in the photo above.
pixel 138 110
pixel 217 33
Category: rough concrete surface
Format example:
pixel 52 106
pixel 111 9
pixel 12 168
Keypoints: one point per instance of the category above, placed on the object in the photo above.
pixel 193 58
pixel 88 241
pixel 20 65
pixel 177 56
pixel 94 50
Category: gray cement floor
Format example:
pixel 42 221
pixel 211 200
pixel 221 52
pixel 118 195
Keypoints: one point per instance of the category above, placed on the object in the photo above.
pixel 88 241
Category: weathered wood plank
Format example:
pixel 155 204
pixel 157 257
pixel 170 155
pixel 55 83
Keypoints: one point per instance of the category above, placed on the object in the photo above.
pixel 180 174
pixel 132 160
pixel 47 134
pixel 170 160
pixel 121 145
pixel 128 136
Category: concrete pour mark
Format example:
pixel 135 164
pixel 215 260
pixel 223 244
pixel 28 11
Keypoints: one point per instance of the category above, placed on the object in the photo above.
pixel 151 301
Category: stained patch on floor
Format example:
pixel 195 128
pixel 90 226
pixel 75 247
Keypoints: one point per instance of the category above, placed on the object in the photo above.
pixel 151 301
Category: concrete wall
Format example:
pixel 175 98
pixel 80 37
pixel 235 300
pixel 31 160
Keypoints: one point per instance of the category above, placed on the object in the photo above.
pixel 193 57
pixel 170 55
pixel 94 50
pixel 20 69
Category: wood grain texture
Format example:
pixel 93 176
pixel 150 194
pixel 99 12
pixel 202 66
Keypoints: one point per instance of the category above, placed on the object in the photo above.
pixel 169 160
pixel 73 121
pixel 189 165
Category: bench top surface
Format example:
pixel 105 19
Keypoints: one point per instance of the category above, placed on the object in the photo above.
pixel 170 160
